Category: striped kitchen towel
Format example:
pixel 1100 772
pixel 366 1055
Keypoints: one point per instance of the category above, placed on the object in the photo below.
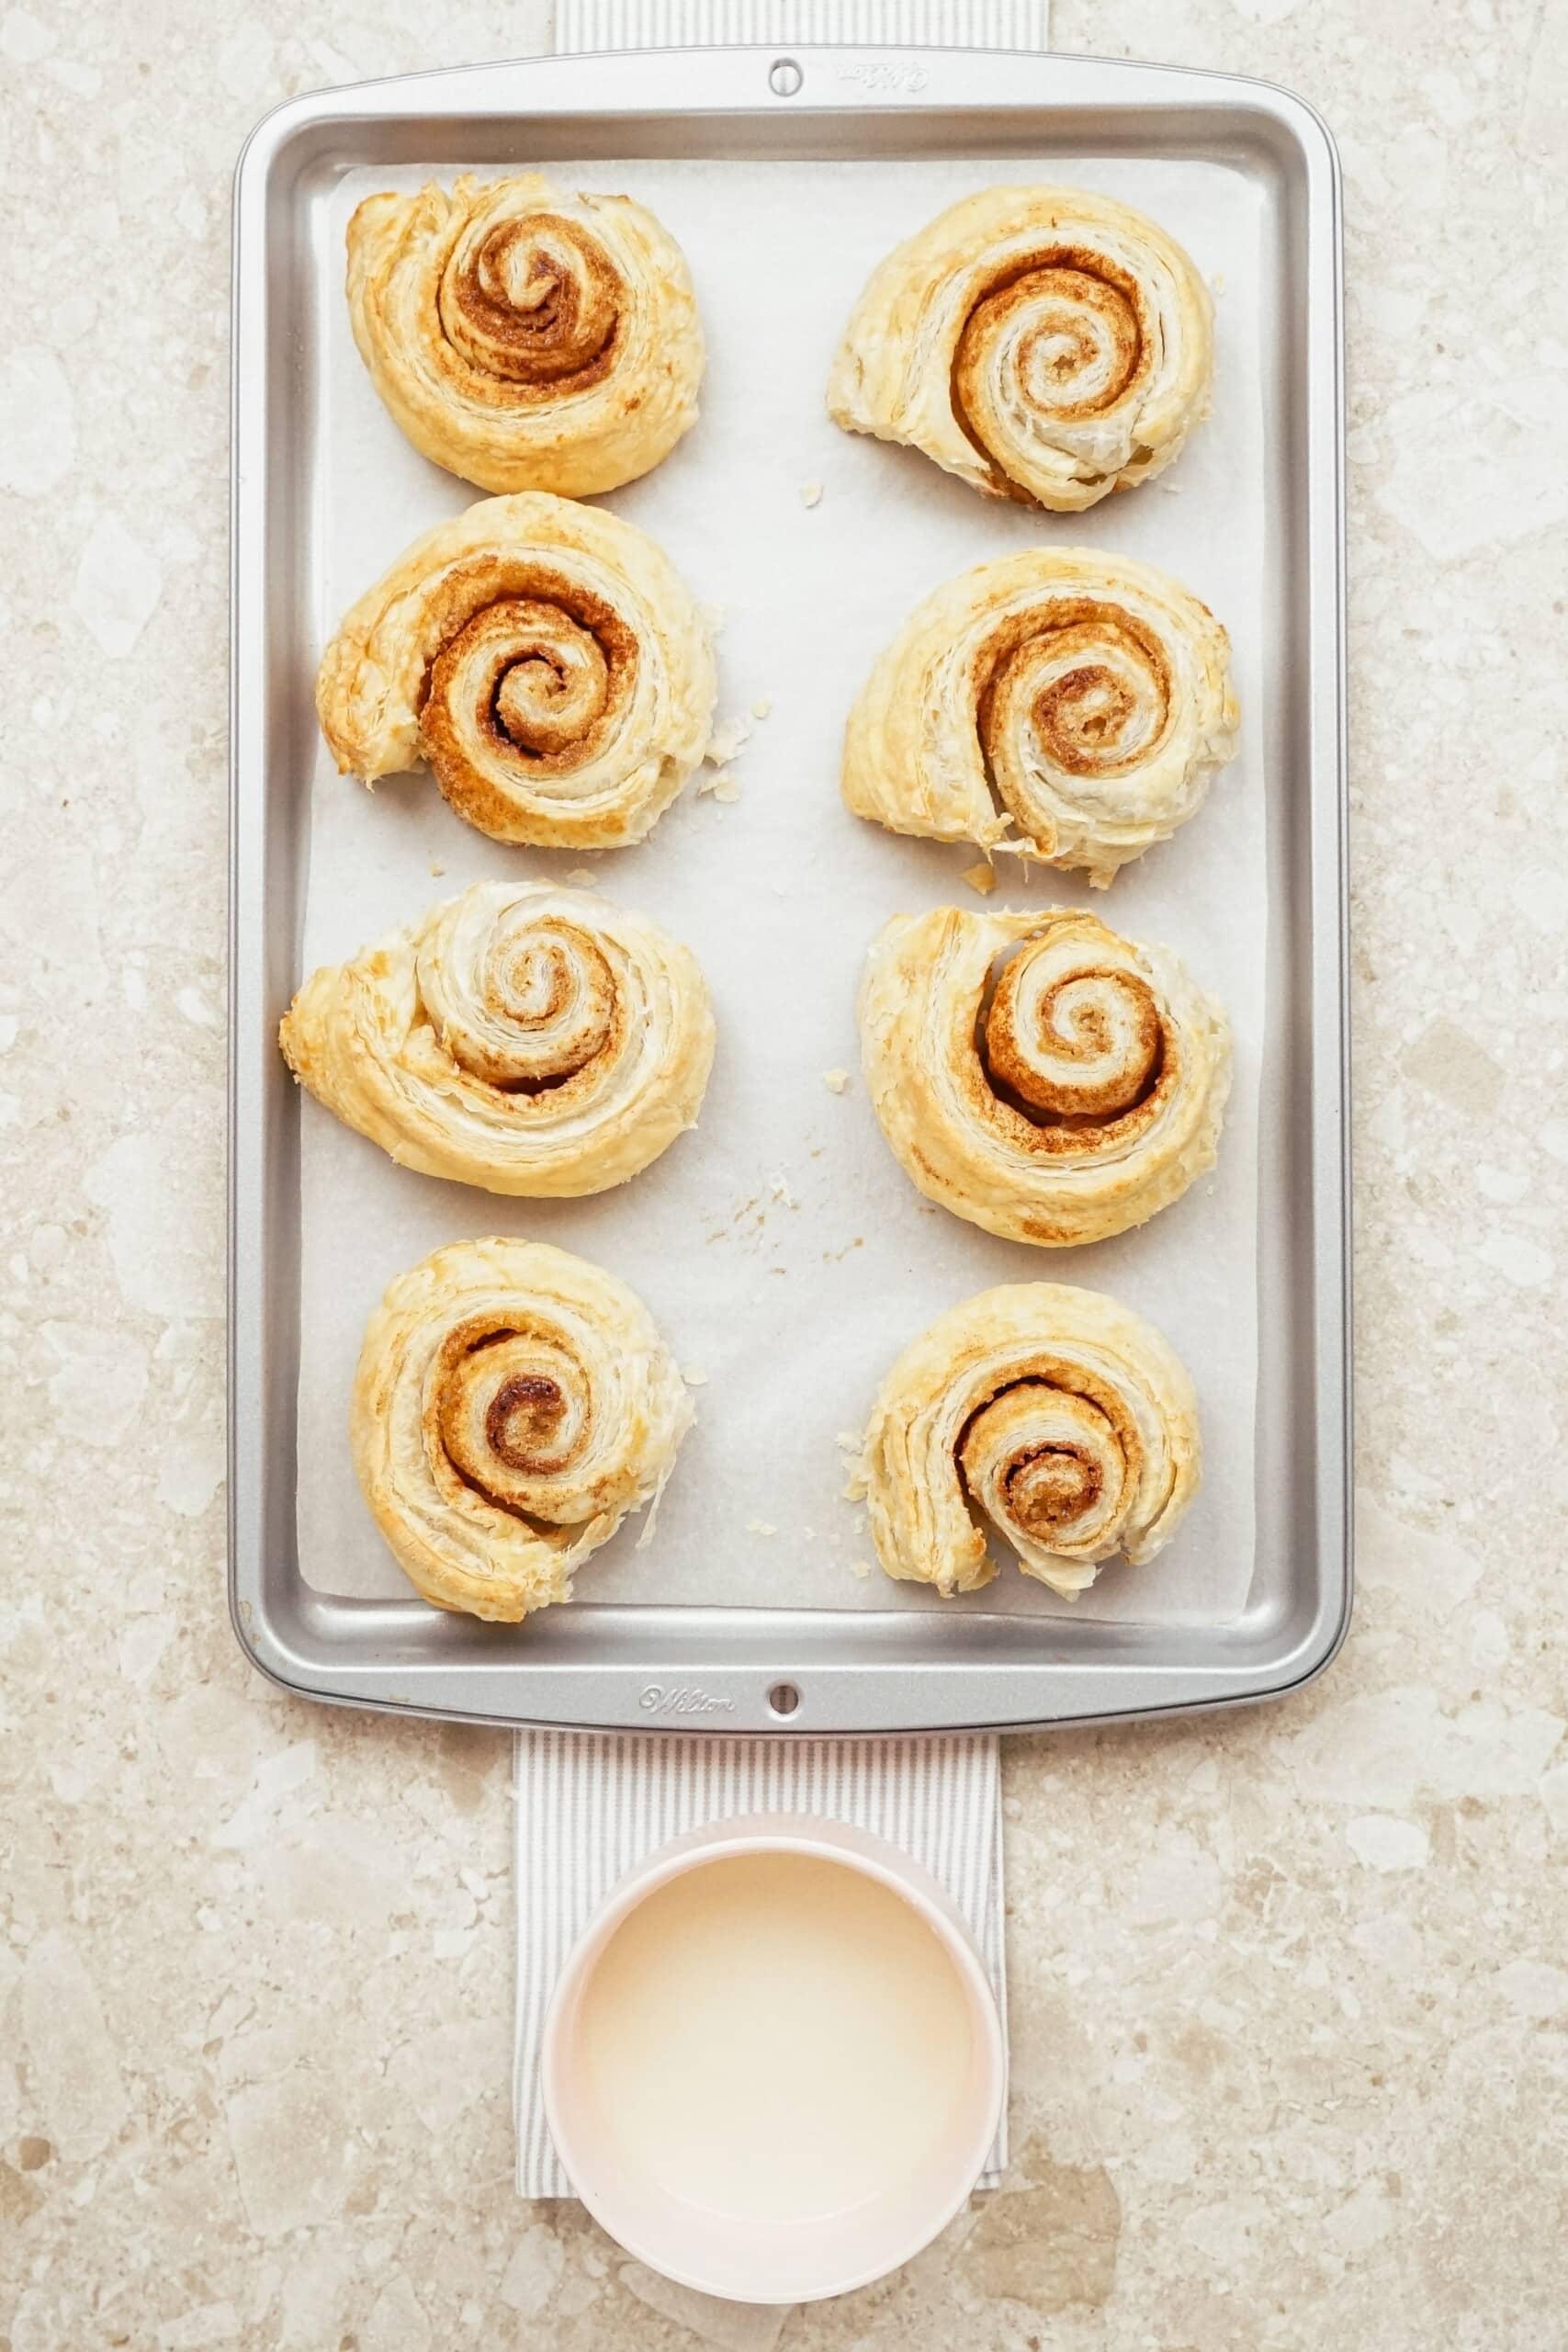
pixel 859 24
pixel 590 1806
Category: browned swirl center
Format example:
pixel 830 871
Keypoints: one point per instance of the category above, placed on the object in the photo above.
pixel 534 303
pixel 523 1421
pixel 1079 686
pixel 551 996
pixel 1081 714
pixel 533 674
pixel 1076 1046
pixel 1056 340
pixel 508 1410
pixel 522 1001
pixel 1051 1458
pixel 1050 1487
pixel 538 679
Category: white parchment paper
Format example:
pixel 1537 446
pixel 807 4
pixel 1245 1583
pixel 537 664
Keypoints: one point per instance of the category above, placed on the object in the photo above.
pixel 780 1248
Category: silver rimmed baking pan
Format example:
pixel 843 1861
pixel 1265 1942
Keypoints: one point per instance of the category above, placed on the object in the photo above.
pixel 877 1662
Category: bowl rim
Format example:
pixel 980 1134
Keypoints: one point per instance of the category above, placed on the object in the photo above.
pixel 840 1842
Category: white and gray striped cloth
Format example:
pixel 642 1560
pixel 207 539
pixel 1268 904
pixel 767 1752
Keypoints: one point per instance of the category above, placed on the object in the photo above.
pixel 678 24
pixel 589 1806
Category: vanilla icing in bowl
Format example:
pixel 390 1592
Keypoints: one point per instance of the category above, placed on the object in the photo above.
pixel 773 2065
pixel 776 2037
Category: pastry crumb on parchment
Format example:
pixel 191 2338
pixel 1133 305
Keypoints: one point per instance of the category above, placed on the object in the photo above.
pixel 981 878
pixel 811 494
pixel 693 1375
pixel 582 877
pixel 761 706
pixel 726 739
pixel 760 1527
pixel 835 1081
pixel 850 1443
pixel 860 1567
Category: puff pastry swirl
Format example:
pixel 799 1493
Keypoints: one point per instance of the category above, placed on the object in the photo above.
pixel 512 1404
pixel 1065 704
pixel 524 338
pixel 545 660
pixel 525 1038
pixel 1038 1074
pixel 1044 344
pixel 1063 1419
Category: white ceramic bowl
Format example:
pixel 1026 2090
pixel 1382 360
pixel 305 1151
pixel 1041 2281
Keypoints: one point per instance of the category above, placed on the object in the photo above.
pixel 772 2262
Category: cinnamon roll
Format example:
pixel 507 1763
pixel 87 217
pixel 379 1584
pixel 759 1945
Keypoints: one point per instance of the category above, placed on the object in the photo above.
pixel 512 1404
pixel 1043 344
pixel 1052 1417
pixel 524 338
pixel 1038 1074
pixel 528 1039
pixel 544 659
pixel 1065 704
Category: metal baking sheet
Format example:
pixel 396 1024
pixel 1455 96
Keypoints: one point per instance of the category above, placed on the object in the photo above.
pixel 776 1247
pixel 863 1668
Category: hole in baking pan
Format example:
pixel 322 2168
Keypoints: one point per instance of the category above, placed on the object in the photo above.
pixel 783 1699
pixel 785 77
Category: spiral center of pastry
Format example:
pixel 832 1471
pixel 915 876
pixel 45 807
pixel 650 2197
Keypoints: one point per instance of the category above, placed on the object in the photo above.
pixel 522 1419
pixel 512 1413
pixel 1083 714
pixel 1049 1465
pixel 1077 340
pixel 533 301
pixel 1059 339
pixel 527 1006
pixel 535 675
pixel 1051 1487
pixel 553 987
pixel 1071 1040
pixel 545 675
pixel 1078 690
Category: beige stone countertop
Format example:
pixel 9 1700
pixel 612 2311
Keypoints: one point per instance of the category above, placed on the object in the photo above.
pixel 1290 1991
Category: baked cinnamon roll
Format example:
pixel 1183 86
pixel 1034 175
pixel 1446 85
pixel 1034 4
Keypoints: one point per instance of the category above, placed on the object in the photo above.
pixel 1049 1416
pixel 528 1039
pixel 1043 344
pixel 1061 703
pixel 1038 1074
pixel 524 338
pixel 544 659
pixel 512 1404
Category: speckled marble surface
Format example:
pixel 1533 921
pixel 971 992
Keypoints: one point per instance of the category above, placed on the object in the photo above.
pixel 1290 1997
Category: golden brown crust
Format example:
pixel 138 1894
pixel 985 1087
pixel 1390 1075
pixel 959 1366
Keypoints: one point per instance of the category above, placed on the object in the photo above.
pixel 524 338
pixel 544 658
pixel 532 1040
pixel 1066 704
pixel 1038 1074
pixel 512 1404
pixel 1044 344
pixel 1060 1417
